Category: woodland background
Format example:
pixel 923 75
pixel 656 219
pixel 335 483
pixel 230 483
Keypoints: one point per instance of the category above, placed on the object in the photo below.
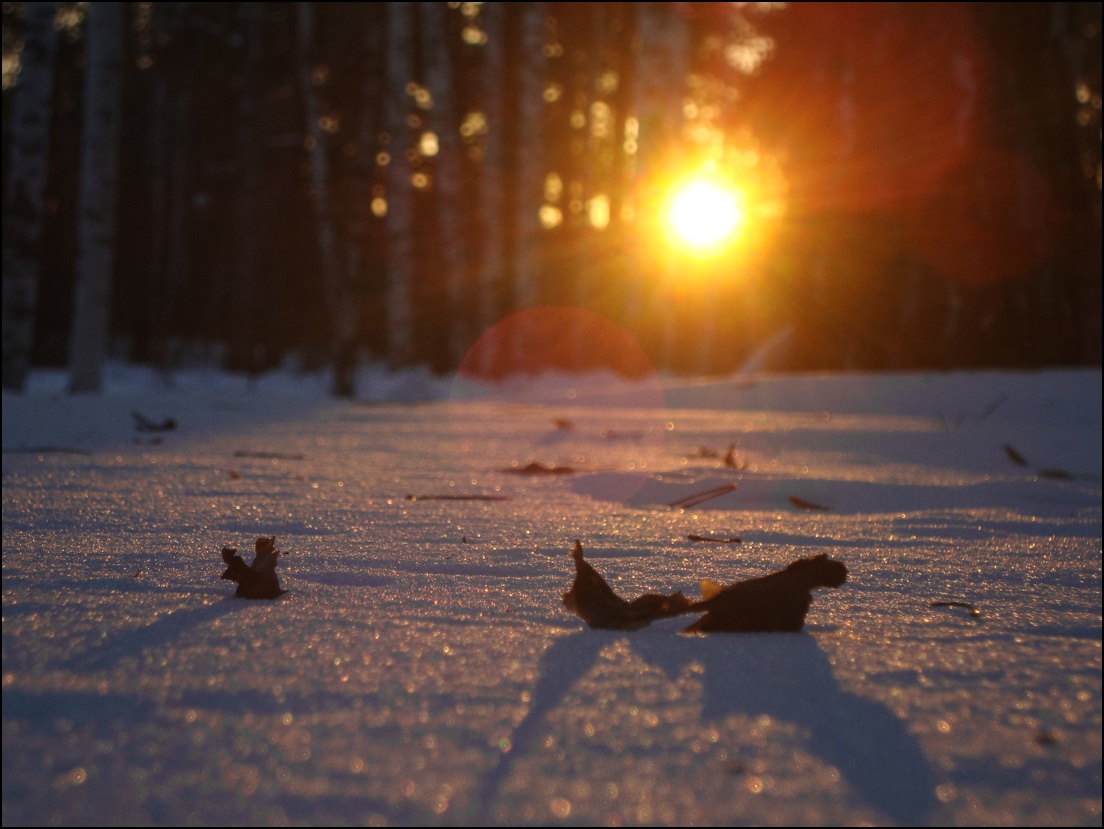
pixel 246 185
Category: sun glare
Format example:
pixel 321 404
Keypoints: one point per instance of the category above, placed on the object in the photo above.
pixel 704 216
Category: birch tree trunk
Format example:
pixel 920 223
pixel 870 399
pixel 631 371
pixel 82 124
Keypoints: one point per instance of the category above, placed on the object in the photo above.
pixel 527 180
pixel 400 204
pixel 23 220
pixel 530 156
pixel 342 310
pixel 363 237
pixel 447 170
pixel 665 45
pixel 98 196
pixel 491 179
pixel 251 16
pixel 625 198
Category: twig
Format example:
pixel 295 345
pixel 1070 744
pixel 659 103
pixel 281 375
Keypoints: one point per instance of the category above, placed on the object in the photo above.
pixel 730 457
pixel 801 503
pixel 535 468
pixel 144 424
pixel 734 540
pixel 702 497
pixel 458 498
pixel 281 456
pixel 973 610
pixel 43 450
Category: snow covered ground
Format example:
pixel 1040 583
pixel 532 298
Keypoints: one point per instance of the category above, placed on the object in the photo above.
pixel 422 668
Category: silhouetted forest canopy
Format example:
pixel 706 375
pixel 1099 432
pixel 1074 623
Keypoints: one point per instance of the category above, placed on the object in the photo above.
pixel 247 185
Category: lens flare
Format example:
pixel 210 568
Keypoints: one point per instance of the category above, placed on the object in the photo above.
pixel 704 216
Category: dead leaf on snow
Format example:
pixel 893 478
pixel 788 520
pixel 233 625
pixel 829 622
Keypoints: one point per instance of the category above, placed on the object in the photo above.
pixel 144 424
pixel 774 603
pixel 1055 474
pixel 777 602
pixel 535 468
pixel 595 603
pixel 730 457
pixel 258 580
pixel 801 503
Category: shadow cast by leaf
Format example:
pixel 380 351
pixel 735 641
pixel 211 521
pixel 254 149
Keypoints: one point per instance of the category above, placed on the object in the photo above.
pixel 785 676
pixel 782 674
pixel 153 636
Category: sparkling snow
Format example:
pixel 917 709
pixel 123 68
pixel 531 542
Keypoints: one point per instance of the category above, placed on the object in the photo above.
pixel 423 670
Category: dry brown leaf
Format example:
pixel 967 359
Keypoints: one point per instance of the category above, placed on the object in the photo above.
pixel 801 503
pixel 776 602
pixel 258 580
pixel 535 468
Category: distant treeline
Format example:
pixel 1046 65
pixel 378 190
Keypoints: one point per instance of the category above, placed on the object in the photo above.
pixel 244 183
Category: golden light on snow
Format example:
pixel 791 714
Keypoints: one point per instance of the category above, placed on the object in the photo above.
pixel 704 216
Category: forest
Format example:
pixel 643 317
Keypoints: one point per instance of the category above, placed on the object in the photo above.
pixel 253 185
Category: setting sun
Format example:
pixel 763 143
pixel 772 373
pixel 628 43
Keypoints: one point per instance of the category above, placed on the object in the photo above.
pixel 702 215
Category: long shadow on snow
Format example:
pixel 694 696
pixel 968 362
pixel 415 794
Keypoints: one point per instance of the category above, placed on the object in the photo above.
pixel 784 675
pixel 152 636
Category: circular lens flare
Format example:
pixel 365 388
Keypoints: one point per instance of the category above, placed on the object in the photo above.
pixel 703 215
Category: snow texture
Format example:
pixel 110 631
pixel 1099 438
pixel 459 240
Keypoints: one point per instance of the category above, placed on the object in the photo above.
pixel 422 668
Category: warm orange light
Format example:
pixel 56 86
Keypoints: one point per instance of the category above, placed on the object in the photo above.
pixel 703 216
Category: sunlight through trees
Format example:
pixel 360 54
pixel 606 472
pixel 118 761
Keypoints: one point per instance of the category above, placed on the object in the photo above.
pixel 880 186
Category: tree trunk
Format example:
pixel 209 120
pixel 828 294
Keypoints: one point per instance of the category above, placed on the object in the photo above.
pixel 400 205
pixel 491 180
pixel 665 44
pixel 249 175
pixel 530 156
pixel 342 310
pixel 23 220
pixel 447 168
pixel 98 196
pixel 364 231
pixel 529 180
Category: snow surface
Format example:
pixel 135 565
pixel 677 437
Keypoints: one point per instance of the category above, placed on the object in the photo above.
pixel 423 670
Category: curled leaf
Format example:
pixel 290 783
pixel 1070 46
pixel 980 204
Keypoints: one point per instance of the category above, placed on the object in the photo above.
pixel 258 580
pixel 144 424
pixel 730 457
pixel 535 468
pixel 777 602
pixel 774 603
pixel 595 603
